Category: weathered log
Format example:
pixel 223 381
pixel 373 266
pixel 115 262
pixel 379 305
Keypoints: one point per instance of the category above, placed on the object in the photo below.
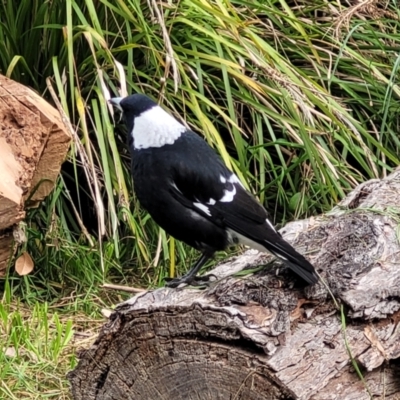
pixel 261 336
pixel 33 144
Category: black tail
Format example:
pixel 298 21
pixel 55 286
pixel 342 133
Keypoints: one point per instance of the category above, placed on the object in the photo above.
pixel 294 260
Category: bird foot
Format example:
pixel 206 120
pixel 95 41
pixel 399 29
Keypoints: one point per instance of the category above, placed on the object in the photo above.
pixel 189 280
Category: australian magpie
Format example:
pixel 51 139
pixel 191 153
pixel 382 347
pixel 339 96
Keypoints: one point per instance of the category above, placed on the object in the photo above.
pixel 191 194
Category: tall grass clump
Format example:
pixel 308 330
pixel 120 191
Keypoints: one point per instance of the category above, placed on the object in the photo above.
pixel 301 100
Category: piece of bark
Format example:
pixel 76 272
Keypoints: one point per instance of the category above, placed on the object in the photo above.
pixel 6 242
pixel 262 336
pixel 33 144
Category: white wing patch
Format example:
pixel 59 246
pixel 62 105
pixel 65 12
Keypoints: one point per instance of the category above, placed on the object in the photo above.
pixel 228 195
pixel 203 208
pixel 211 202
pixel 234 179
pixel 155 128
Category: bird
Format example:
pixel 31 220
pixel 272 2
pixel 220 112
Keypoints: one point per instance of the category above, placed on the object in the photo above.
pixel 189 192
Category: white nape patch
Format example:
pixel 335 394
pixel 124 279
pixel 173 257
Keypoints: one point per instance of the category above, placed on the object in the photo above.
pixel 270 224
pixel 155 128
pixel 222 179
pixel 236 238
pixel 228 195
pixel 203 208
pixel 211 202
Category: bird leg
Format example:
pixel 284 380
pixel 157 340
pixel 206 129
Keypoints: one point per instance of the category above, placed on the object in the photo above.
pixel 190 277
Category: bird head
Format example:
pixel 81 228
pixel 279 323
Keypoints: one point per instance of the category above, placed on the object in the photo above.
pixel 147 123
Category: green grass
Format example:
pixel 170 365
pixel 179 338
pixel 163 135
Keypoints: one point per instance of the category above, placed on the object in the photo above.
pixel 39 345
pixel 302 102
pixel 350 354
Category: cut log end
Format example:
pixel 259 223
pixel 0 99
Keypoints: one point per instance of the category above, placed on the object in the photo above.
pixel 33 144
pixel 195 364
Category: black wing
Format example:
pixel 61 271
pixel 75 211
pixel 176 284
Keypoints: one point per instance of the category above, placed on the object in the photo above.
pixel 210 189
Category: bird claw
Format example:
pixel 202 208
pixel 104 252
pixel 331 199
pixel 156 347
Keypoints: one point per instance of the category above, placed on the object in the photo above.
pixel 189 280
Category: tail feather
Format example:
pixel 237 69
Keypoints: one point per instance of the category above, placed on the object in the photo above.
pixel 309 277
pixel 294 260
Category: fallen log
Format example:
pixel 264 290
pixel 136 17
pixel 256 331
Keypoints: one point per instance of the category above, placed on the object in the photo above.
pixel 33 144
pixel 262 336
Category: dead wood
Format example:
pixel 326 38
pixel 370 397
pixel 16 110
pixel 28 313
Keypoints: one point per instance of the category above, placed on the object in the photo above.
pixel 33 144
pixel 261 336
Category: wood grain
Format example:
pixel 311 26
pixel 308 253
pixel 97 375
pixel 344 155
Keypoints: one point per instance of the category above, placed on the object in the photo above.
pixel 33 144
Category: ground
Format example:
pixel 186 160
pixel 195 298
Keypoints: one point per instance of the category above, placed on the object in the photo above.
pixel 40 343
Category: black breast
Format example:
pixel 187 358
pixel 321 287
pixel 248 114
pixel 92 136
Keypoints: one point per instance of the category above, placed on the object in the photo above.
pixel 154 170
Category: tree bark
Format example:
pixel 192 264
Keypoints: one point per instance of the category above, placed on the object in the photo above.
pixel 33 144
pixel 263 336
